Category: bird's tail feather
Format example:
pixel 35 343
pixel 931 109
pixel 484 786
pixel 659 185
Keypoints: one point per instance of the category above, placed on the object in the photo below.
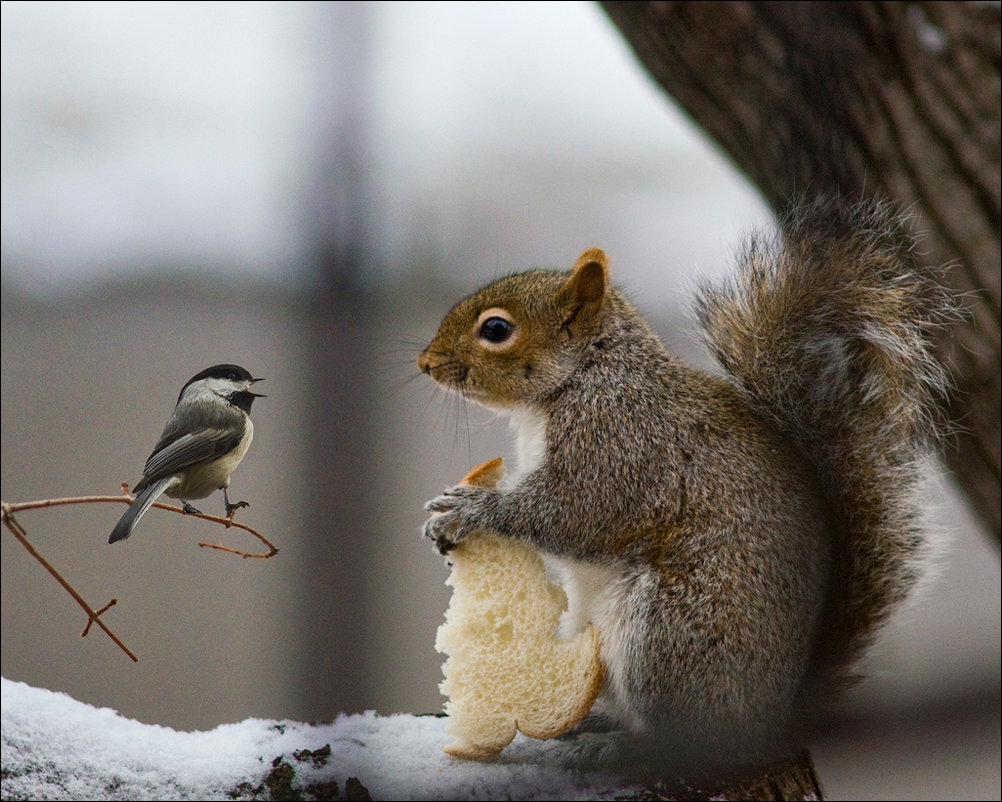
pixel 137 509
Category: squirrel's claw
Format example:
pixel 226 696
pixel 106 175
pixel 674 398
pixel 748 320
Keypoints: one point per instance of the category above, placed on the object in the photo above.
pixel 444 528
pixel 439 504
pixel 453 516
pixel 452 497
pixel 435 530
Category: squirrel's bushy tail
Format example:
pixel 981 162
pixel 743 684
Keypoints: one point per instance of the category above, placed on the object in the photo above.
pixel 826 329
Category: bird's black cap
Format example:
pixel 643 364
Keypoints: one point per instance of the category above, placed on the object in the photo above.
pixel 224 371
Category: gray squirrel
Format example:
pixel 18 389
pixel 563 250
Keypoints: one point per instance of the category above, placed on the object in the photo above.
pixel 736 541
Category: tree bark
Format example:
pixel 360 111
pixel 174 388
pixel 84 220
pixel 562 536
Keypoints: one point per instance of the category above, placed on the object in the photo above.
pixel 893 99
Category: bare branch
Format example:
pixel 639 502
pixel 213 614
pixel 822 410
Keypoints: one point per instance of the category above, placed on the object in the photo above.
pixel 94 616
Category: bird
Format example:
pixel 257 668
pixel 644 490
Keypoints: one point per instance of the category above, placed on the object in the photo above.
pixel 204 440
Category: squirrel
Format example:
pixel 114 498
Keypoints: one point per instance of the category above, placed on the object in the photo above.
pixel 736 540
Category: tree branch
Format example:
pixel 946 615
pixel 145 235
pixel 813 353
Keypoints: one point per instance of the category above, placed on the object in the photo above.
pixel 891 99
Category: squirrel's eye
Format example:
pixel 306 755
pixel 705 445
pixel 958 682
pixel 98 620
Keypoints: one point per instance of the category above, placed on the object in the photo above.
pixel 495 329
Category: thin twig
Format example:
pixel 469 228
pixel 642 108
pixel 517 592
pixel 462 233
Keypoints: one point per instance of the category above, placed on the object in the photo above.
pixel 103 610
pixel 228 522
pixel 93 617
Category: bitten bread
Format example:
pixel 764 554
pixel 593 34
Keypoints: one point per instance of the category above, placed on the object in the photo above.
pixel 506 669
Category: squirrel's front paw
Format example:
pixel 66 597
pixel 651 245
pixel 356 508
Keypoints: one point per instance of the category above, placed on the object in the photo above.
pixel 455 515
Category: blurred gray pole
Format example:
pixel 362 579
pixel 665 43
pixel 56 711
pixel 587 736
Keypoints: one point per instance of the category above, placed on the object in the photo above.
pixel 331 673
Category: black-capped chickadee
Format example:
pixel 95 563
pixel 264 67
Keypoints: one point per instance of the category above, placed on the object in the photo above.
pixel 204 440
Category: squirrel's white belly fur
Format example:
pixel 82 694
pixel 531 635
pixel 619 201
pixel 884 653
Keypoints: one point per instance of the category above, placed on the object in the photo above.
pixel 596 592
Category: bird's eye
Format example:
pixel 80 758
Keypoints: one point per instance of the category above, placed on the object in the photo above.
pixel 495 329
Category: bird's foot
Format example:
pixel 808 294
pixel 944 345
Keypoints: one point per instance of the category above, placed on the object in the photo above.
pixel 232 508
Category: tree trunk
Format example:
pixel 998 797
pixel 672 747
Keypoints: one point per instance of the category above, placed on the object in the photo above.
pixel 892 99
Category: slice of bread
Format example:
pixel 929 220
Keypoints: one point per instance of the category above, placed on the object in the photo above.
pixel 506 669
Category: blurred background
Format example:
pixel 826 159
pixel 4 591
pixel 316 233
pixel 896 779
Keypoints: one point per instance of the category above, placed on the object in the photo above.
pixel 304 189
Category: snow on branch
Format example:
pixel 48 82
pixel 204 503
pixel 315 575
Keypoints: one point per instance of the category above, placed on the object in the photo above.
pixel 55 747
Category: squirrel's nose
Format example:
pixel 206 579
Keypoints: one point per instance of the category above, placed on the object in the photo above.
pixel 424 362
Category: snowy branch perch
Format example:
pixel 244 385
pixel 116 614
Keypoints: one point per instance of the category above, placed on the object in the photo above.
pixel 55 747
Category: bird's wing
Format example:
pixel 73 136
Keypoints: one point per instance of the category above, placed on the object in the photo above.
pixel 183 444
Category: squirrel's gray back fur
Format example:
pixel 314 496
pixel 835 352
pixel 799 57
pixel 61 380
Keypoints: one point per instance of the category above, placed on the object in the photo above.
pixel 838 296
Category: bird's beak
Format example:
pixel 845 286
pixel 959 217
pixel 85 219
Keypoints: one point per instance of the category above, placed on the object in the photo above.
pixel 257 395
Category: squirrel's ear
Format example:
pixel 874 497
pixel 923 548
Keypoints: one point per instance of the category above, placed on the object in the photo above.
pixel 584 292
